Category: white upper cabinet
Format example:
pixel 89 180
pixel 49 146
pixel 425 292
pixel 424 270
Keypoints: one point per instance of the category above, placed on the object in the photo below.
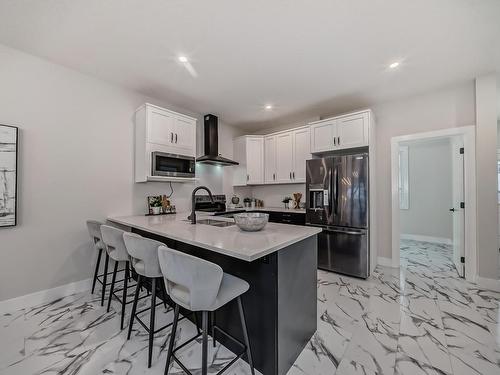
pixel 352 130
pixel 175 133
pixel 185 136
pixel 280 158
pixel 284 157
pixel 270 159
pixel 249 153
pixel 161 130
pixel 347 131
pixel 301 153
pixel 160 125
pixel 323 135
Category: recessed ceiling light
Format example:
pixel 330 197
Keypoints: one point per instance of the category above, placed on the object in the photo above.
pixel 183 59
pixel 394 65
pixel 268 107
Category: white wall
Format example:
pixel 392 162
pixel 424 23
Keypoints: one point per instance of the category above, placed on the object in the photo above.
pixel 430 190
pixel 274 194
pixel 446 108
pixel 75 163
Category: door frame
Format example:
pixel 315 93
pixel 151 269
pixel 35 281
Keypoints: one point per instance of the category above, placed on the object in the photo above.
pixel 469 135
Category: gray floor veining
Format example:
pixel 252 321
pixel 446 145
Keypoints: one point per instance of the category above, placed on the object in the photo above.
pixel 419 319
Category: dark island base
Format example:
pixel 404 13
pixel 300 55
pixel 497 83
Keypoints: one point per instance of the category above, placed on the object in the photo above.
pixel 280 306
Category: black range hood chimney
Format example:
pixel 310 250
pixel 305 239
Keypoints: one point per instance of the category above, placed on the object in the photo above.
pixel 212 144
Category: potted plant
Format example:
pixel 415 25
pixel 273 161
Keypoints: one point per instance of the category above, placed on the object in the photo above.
pixel 156 205
pixel 286 201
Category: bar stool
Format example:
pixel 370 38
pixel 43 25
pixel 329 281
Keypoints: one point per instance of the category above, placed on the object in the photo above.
pixel 144 256
pixel 113 240
pixel 198 285
pixel 94 228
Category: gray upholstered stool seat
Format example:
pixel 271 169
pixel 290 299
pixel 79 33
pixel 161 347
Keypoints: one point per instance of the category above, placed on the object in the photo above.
pixel 143 253
pixel 115 246
pixel 199 285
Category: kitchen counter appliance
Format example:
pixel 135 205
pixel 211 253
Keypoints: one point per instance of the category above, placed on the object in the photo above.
pixel 338 201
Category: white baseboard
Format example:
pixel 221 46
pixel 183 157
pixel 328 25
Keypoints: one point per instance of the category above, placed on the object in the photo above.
pixel 486 283
pixel 417 237
pixel 44 296
pixel 385 262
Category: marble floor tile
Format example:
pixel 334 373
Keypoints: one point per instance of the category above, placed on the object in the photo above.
pixel 349 367
pixel 419 319
pixel 406 365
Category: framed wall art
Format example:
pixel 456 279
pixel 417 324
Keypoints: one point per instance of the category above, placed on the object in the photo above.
pixel 8 175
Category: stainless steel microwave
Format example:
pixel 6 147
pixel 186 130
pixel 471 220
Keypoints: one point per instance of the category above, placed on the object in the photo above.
pixel 172 165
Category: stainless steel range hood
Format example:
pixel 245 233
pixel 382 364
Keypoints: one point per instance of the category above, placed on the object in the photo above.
pixel 212 155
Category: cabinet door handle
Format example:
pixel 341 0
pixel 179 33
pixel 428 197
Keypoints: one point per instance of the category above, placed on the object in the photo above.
pixel 293 174
pixel 334 141
pixel 248 177
pixel 290 175
pixel 175 137
pixel 338 141
pixel 171 137
pixel 274 176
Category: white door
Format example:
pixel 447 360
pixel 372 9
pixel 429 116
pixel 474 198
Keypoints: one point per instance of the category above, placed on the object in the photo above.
pixel 270 159
pixel 301 152
pixel 161 125
pixel 352 131
pixel 255 160
pixel 284 157
pixel 185 136
pixel 457 209
pixel 322 136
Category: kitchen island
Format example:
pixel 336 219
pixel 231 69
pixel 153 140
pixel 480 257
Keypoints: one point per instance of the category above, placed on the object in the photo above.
pixel 279 263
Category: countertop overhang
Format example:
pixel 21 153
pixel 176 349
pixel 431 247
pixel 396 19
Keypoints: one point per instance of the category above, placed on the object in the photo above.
pixel 230 241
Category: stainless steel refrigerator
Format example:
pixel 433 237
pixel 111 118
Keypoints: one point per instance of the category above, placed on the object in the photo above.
pixel 337 200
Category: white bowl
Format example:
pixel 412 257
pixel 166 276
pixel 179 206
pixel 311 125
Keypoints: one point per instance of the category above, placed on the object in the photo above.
pixel 251 221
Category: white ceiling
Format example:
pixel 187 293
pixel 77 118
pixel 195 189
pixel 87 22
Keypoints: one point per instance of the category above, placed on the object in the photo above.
pixel 308 58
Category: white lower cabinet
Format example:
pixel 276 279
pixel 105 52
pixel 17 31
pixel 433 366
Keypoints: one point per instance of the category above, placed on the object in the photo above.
pixel 249 153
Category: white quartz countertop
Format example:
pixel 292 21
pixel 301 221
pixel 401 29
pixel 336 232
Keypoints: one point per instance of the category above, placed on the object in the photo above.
pixel 230 241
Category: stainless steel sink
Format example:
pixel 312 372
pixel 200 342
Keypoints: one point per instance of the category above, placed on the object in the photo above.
pixel 215 223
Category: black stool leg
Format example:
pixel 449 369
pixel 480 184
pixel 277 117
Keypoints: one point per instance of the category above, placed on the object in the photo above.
pixel 124 295
pixel 245 334
pixel 204 353
pixel 195 318
pixel 152 320
pixel 134 306
pixel 212 323
pixel 96 272
pixel 172 339
pixel 163 292
pixel 113 279
pixel 104 278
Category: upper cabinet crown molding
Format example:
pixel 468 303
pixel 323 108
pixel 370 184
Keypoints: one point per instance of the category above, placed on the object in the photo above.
pixel 341 132
pixel 160 129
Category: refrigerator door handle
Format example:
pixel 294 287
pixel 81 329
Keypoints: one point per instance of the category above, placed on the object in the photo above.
pixel 335 190
pixel 329 202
